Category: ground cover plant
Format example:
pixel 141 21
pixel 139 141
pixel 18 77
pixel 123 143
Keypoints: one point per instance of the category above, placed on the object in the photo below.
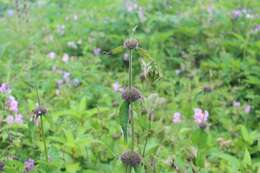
pixel 124 86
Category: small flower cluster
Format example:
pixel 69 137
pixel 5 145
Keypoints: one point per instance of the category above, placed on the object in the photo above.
pixel 117 87
pixel 200 117
pixel 237 105
pixel 65 58
pixel 29 165
pixel 12 106
pixel 131 7
pixel 237 13
pixel 4 88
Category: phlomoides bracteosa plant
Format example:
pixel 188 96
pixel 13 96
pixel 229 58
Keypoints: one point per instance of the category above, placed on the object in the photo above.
pixel 130 94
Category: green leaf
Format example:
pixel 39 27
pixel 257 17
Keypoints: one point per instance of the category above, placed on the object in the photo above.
pixel 117 50
pixel 247 158
pixel 123 116
pixel 144 53
pixel 245 134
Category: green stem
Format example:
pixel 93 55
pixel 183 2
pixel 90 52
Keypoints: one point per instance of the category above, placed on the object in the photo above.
pixel 44 140
pixel 130 105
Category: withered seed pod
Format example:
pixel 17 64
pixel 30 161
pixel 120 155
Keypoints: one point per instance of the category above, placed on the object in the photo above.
pixel 131 43
pixel 131 158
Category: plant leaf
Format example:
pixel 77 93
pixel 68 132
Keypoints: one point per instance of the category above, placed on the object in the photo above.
pixel 144 53
pixel 117 50
pixel 123 117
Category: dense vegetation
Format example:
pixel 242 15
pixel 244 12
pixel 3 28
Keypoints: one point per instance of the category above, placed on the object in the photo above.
pixel 64 66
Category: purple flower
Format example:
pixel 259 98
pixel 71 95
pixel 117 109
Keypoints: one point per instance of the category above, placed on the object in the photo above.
pixel 176 118
pixel 9 119
pixel 236 14
pixel 10 12
pixel 65 58
pixel 236 104
pixel 29 165
pixel 12 104
pixel 257 28
pixel 4 88
pixel 66 76
pixel 247 109
pixel 52 55
pixel 97 51
pixel 210 9
pixel 18 119
pixel 116 87
pixel 130 6
pixel 200 116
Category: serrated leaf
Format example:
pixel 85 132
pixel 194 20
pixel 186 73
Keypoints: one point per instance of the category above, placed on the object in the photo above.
pixel 123 118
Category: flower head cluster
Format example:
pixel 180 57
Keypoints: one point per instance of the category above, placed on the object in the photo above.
pixel 176 118
pixel 52 55
pixel 65 58
pixel 97 51
pixel 12 105
pixel 14 119
pixel 256 29
pixel 131 158
pixel 200 117
pixel 4 88
pixel 117 87
pixel 29 165
pixel 237 13
pixel 131 94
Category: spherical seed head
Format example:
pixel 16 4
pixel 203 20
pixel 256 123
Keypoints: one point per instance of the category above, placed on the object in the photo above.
pixel 207 89
pixel 131 43
pixel 2 165
pixel 131 95
pixel 39 111
pixel 131 158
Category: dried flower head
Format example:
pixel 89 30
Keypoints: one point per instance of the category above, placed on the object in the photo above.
pixel 131 43
pixel 131 158
pixel 39 111
pixel 131 94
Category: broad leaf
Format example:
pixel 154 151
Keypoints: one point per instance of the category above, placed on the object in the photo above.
pixel 123 117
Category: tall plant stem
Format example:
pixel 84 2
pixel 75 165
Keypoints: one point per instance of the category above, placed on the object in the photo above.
pixel 130 80
pixel 44 140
